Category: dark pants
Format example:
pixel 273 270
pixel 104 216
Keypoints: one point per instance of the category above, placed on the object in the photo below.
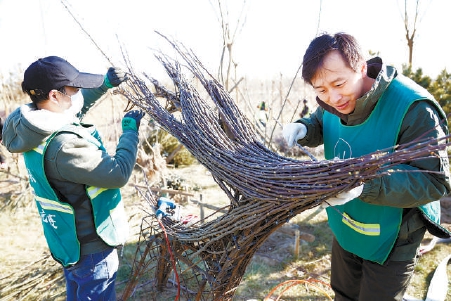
pixel 93 277
pixel 356 279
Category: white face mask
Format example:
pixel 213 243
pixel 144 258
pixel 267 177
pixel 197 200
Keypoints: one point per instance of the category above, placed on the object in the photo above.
pixel 77 101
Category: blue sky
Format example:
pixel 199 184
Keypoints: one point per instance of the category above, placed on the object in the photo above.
pixel 271 39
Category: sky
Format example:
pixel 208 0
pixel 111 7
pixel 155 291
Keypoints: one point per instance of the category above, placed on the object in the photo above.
pixel 270 36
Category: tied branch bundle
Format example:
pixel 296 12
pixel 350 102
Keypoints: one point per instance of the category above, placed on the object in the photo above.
pixel 222 138
pixel 265 189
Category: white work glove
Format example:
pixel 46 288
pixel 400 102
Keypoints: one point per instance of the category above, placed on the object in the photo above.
pixel 292 132
pixel 343 197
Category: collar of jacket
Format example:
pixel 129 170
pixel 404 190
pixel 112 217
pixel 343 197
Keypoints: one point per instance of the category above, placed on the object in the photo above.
pixel 383 76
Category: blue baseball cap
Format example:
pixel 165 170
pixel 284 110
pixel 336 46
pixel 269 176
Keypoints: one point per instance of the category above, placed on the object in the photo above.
pixel 53 72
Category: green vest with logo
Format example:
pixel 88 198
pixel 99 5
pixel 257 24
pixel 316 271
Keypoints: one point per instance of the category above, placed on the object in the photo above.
pixel 367 230
pixel 57 216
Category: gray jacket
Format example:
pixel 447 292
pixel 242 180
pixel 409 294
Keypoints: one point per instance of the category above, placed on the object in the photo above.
pixel 71 162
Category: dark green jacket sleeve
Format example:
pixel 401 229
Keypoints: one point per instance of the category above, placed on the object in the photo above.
pixel 90 97
pixel 72 159
pixel 412 185
pixel 314 124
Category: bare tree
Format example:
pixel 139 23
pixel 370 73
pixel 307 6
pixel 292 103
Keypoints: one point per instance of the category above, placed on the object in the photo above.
pixel 410 25
pixel 410 36
pixel 228 38
pixel 319 15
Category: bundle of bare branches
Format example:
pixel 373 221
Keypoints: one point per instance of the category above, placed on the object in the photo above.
pixel 265 189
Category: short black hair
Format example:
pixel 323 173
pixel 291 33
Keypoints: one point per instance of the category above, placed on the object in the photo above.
pixel 36 95
pixel 345 44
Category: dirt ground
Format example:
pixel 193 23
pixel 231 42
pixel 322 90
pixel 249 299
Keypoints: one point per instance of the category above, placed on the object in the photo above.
pixel 23 242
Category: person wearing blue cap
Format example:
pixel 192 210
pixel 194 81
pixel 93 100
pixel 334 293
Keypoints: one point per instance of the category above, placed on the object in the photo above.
pixel 75 181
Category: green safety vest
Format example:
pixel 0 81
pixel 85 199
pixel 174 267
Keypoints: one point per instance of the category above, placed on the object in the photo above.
pixel 370 231
pixel 57 216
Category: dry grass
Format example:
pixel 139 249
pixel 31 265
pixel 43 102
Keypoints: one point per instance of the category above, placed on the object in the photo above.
pixel 23 245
